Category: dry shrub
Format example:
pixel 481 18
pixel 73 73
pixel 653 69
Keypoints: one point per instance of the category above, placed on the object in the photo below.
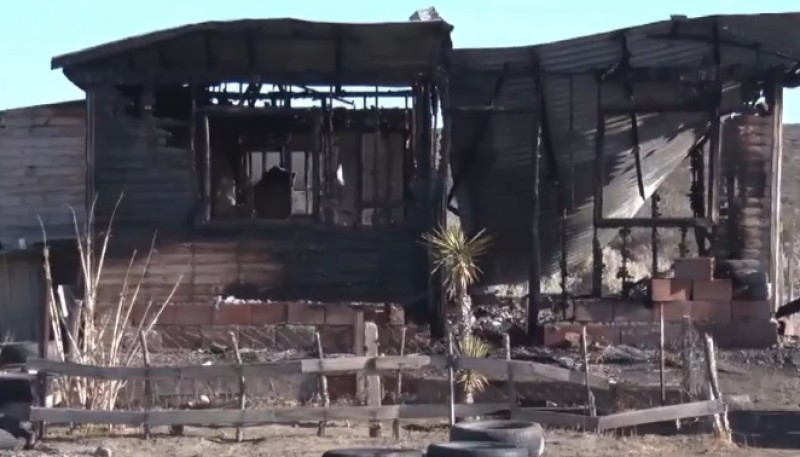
pixel 89 336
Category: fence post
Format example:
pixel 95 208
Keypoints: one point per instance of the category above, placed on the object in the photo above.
pixel 242 386
pixel 512 388
pixel 721 424
pixel 399 388
pixel 373 381
pixel 451 378
pixel 148 388
pixel 590 405
pixel 323 384
pixel 662 355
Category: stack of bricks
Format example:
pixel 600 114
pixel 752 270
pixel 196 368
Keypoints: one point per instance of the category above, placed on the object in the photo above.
pixel 693 292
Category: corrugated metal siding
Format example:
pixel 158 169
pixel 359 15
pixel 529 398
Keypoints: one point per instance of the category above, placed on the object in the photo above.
pixel 291 263
pixel 22 296
pixel 42 171
pixel 158 183
pixel 496 193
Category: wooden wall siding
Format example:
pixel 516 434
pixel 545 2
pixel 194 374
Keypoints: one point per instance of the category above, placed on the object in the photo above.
pixel 130 156
pixel 289 263
pixel 22 295
pixel 42 170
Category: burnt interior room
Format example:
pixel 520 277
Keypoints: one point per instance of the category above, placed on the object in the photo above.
pixel 314 139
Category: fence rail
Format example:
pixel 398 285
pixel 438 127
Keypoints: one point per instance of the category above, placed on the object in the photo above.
pixel 492 368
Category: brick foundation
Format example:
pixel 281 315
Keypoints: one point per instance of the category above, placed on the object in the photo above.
pixel 692 292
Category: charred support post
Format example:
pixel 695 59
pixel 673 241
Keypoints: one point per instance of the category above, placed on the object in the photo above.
pixel 625 67
pixel 655 213
pixel 597 253
pixel 535 268
pixel 715 155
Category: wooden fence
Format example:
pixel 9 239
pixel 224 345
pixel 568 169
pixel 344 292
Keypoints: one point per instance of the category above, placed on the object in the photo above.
pixel 369 366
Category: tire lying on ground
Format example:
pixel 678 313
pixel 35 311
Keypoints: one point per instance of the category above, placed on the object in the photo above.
pixel 372 452
pixel 526 435
pixel 475 449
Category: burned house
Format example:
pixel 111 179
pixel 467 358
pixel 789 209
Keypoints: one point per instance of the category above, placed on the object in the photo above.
pixel 294 164
pixel 281 162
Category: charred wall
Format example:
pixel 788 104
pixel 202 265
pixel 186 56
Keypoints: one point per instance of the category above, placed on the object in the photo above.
pixel 161 180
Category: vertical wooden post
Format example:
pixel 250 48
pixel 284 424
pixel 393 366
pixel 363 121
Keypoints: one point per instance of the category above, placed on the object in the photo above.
pixel 323 384
pixel 451 378
pixel 399 388
pixel 359 349
pixel 662 355
pixel 511 385
pixel 373 381
pixel 598 184
pixel 148 387
pixel 242 386
pixel 535 266
pixel 715 393
pixel 686 356
pixel 589 395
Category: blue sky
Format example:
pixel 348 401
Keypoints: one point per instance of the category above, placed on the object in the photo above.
pixel 33 31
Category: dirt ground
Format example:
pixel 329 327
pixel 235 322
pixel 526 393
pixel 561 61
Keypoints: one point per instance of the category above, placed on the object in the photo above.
pixel 768 426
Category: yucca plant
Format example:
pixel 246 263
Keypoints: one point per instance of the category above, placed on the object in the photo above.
pixel 456 256
pixel 472 382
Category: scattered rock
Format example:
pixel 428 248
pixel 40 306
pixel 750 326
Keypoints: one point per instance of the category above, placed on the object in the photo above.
pixel 102 451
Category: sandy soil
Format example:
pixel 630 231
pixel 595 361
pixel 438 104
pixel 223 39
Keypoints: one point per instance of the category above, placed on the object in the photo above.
pixel 303 442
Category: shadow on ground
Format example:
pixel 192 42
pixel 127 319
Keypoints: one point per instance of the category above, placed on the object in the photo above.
pixel 766 429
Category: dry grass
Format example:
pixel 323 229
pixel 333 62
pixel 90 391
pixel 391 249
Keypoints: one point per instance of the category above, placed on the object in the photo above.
pixel 85 335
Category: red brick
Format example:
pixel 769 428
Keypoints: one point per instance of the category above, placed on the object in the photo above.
pixel 301 313
pixel 594 311
pixel 698 310
pixel 701 268
pixel 233 315
pixel 632 312
pixel 667 290
pixel 718 312
pixel 559 335
pixel 751 310
pixel 339 315
pixel 675 310
pixel 268 313
pixel 717 289
pixel 192 314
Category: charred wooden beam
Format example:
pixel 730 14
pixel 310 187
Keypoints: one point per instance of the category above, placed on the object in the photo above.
pixel 624 67
pixel 471 152
pixel 499 109
pixel 535 269
pixel 597 253
pixel 662 222
pixel 338 62
pixel 715 153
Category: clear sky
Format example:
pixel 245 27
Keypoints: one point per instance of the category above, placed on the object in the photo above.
pixel 33 31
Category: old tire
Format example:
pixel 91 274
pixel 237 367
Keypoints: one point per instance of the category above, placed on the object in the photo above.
pixel 475 449
pixel 526 435
pixel 372 452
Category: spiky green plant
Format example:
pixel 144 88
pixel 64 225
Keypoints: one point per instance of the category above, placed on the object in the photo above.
pixel 471 381
pixel 456 256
